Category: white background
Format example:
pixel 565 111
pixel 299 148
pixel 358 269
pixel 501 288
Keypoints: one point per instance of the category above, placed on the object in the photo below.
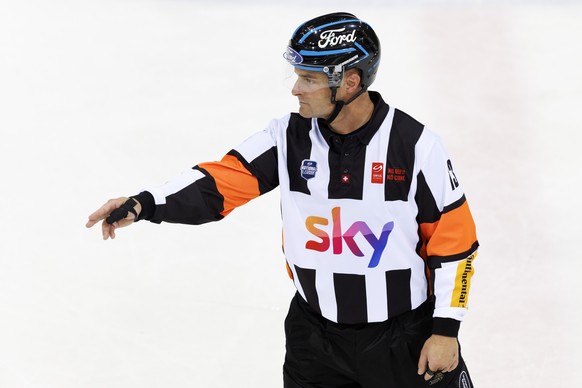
pixel 101 98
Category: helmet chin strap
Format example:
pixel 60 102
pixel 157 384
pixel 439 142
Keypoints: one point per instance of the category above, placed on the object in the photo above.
pixel 340 104
pixel 336 110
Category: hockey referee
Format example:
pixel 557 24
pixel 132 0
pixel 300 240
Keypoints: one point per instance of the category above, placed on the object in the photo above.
pixel 378 236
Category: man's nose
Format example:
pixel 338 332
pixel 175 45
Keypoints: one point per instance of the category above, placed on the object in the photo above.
pixel 296 91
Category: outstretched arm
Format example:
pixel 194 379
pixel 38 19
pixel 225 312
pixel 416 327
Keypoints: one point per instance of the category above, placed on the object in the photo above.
pixel 205 193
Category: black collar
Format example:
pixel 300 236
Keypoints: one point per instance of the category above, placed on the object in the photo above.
pixel 365 133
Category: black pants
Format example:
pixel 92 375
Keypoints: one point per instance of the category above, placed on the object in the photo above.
pixel 323 354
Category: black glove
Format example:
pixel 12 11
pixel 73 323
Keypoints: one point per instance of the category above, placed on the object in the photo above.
pixel 121 212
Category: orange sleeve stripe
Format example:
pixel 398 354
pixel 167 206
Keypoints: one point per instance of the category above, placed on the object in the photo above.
pixel 428 229
pixel 454 233
pixel 233 181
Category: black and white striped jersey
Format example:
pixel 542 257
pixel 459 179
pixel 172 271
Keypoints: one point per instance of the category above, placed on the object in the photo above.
pixel 374 222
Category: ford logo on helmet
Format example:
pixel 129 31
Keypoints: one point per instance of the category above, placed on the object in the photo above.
pixel 293 57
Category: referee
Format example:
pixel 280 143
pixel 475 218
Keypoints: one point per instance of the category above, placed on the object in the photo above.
pixel 378 236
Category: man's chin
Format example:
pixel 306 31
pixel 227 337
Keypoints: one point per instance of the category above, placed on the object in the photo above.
pixel 308 114
pixel 305 113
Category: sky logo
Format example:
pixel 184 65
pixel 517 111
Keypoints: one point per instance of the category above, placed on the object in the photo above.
pixel 338 237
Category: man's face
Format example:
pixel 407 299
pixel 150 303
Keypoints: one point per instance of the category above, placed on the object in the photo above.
pixel 312 90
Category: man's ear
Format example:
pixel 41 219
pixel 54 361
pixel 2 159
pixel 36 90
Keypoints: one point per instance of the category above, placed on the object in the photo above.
pixel 352 80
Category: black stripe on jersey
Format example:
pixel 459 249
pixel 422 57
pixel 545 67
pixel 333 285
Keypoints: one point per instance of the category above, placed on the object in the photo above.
pixel 264 168
pixel 398 291
pixel 202 196
pixel 350 294
pixel 346 158
pixel 428 212
pixel 404 134
pixel 307 280
pixel 458 203
pixel 298 149
pixel 436 261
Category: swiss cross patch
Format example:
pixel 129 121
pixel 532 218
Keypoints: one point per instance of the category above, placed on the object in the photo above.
pixel 378 173
pixel 345 179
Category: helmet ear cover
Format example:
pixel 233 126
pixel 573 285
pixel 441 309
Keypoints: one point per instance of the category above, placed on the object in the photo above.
pixel 335 74
pixel 335 78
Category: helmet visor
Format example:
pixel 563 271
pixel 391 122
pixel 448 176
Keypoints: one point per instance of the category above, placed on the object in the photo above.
pixel 300 80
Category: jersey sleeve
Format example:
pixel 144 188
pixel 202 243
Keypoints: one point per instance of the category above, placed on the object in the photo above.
pixel 210 191
pixel 449 239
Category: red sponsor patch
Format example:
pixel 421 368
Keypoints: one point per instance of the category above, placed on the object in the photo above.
pixel 396 174
pixel 378 173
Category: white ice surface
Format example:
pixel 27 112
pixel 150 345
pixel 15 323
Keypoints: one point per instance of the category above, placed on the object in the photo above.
pixel 101 98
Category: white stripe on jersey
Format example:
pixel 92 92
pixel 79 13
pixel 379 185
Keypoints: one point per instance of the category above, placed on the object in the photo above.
pixel 434 169
pixel 376 153
pixel 325 291
pixel 319 153
pixel 256 145
pixel 376 296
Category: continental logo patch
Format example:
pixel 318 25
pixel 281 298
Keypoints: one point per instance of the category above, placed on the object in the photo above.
pixel 463 282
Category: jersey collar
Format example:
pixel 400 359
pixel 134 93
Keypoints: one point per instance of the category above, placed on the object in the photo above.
pixel 365 133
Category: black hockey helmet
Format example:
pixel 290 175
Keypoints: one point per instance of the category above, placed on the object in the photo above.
pixel 334 43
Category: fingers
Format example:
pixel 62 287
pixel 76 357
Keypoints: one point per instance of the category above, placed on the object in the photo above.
pixel 422 362
pixel 429 374
pixel 104 211
pixel 434 371
pixel 432 375
pixel 435 377
pixel 424 367
pixel 108 230
pixel 123 212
